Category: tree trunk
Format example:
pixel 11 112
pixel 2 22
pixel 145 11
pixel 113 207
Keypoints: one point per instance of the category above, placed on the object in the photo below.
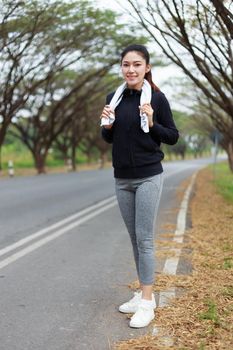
pixel 229 150
pixel 0 158
pixel 39 160
pixel 64 151
pixel 103 159
pixel 73 157
pixel 3 130
pixel 88 153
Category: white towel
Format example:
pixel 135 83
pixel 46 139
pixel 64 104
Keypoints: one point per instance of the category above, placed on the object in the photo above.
pixel 116 99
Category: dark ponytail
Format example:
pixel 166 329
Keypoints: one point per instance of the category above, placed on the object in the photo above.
pixel 141 49
pixel 148 77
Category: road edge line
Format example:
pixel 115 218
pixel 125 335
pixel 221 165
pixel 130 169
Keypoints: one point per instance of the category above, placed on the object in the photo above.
pixel 171 264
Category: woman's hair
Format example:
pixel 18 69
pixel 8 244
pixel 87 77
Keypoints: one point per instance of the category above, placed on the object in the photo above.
pixel 142 50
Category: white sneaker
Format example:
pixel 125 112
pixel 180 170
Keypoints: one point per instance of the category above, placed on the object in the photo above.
pixel 131 306
pixel 144 314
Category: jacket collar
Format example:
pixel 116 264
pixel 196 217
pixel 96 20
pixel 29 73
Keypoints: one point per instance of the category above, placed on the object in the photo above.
pixel 130 92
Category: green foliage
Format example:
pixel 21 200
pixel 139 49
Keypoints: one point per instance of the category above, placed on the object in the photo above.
pixel 180 148
pixel 55 55
pixel 223 179
pixel 16 151
pixel 22 158
pixel 191 140
pixel 182 120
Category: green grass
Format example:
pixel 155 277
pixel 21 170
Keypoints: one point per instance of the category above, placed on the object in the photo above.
pixel 227 247
pixel 201 346
pixel 223 179
pixel 17 153
pixel 228 292
pixel 228 263
pixel 22 157
pixel 211 312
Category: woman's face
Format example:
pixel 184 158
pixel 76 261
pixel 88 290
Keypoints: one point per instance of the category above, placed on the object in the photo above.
pixel 134 68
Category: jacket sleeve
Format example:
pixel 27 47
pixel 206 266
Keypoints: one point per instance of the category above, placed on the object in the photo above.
pixel 164 129
pixel 107 134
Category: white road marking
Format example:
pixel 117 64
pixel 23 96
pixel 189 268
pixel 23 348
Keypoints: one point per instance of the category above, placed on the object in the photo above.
pixel 104 204
pixel 165 296
pixel 44 231
pixel 55 235
pixel 58 224
pixel 170 266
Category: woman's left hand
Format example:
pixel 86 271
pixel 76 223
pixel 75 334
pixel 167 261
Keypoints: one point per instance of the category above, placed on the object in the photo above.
pixel 146 108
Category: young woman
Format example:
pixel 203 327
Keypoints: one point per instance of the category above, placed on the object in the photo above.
pixel 141 121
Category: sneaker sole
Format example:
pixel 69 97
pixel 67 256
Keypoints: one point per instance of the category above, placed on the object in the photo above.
pixel 127 312
pixel 137 326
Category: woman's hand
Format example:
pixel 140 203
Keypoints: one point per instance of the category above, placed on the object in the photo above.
pixel 148 110
pixel 105 114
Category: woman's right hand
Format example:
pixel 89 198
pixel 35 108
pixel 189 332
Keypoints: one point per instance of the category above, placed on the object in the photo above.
pixel 105 114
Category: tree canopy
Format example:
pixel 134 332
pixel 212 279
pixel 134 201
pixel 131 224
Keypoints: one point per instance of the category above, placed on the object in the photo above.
pixel 52 55
pixel 197 36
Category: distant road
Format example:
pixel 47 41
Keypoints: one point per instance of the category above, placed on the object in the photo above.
pixel 66 260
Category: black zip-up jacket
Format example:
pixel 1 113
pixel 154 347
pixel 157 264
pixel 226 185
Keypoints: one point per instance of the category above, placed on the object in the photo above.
pixel 136 154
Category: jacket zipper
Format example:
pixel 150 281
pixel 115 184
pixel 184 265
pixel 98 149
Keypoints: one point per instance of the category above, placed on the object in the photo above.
pixel 130 135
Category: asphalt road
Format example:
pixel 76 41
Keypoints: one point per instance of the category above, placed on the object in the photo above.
pixel 61 285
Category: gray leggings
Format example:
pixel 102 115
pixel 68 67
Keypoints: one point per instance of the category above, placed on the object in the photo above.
pixel 138 200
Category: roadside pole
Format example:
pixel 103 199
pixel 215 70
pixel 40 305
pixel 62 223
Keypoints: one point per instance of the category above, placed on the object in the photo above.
pixel 215 138
pixel 11 171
